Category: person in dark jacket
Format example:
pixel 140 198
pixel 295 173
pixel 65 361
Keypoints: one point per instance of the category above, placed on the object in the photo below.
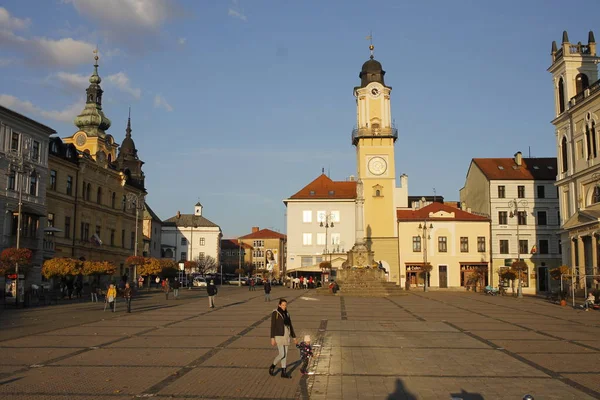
pixel 281 332
pixel 267 287
pixel 305 353
pixel 128 294
pixel 211 289
pixel 176 286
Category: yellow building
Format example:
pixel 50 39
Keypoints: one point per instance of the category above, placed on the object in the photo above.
pixel 268 250
pixel 374 138
pixel 95 197
pixel 455 243
pixel 577 108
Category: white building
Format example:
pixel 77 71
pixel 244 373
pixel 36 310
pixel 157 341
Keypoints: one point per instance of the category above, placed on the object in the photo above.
pixel 190 237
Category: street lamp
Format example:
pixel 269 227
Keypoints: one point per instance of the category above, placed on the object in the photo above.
pixel 328 219
pixel 136 201
pixel 514 206
pixel 424 228
pixel 18 164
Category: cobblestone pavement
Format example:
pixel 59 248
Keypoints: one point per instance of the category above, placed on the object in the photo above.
pixel 436 345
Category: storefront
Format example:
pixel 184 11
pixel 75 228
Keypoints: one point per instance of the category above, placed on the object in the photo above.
pixel 474 274
pixel 415 276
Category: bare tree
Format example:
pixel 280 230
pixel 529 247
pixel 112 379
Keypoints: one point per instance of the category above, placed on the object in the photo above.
pixel 207 264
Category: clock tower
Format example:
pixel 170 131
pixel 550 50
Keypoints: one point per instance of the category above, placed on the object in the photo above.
pixel 374 138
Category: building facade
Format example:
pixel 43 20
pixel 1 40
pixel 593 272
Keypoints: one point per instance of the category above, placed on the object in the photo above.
pixel 519 197
pixel 268 251
pixel 321 224
pixel 577 108
pixel 24 167
pixel 96 194
pixel 152 233
pixel 235 254
pixel 191 237
pixel 455 243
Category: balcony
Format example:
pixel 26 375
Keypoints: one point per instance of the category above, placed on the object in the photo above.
pixel 593 88
pixel 374 132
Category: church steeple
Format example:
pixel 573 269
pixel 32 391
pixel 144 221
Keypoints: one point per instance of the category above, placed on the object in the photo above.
pixel 128 160
pixel 92 119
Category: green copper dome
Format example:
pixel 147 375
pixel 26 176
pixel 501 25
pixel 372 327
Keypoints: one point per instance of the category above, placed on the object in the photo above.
pixel 92 119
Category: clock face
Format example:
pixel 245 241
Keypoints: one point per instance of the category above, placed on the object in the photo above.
pixel 377 166
pixel 80 139
pixel 374 92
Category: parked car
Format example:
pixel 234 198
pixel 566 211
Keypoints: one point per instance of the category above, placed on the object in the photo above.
pixel 199 282
pixel 236 281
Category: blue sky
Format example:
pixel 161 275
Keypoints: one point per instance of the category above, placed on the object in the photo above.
pixel 239 104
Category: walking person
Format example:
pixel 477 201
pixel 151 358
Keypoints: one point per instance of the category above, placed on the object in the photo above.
pixel 94 291
pixel 211 289
pixel 166 288
pixel 127 294
pixel 111 297
pixel 305 353
pixel 267 287
pixel 176 286
pixel 281 332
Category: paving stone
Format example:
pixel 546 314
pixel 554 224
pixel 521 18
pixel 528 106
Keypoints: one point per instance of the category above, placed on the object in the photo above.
pixel 135 357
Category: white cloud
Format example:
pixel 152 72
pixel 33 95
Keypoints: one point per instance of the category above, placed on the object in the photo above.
pixel 149 14
pixel 160 101
pixel 28 108
pixel 236 11
pixel 9 22
pixel 77 83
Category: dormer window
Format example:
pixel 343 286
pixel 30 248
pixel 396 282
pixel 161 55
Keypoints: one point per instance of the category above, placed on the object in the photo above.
pixel 311 193
pixel 332 192
pixel 500 167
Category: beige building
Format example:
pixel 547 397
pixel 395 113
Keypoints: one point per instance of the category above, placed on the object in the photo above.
pixel 577 108
pixel 268 250
pixel 152 233
pixel 235 254
pixel 454 242
pixel 519 197
pixel 95 196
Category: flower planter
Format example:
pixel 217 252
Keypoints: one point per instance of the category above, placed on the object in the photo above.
pixel 563 303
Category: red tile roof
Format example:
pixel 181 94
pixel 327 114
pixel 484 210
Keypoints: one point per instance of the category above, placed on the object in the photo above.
pixel 233 244
pixel 324 188
pixel 423 213
pixel 506 169
pixel 264 234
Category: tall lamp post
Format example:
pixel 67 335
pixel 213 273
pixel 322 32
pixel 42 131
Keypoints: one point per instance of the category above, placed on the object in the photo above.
pixel 515 208
pixel 18 166
pixel 424 228
pixel 328 219
pixel 136 201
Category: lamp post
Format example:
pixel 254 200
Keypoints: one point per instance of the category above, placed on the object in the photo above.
pixel 424 228
pixel 136 201
pixel 515 206
pixel 328 219
pixel 19 166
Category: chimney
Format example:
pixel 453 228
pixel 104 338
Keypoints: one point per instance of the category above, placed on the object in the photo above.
pixel 469 210
pixel 404 181
pixel 351 178
pixel 518 158
pixel 178 215
pixel 255 229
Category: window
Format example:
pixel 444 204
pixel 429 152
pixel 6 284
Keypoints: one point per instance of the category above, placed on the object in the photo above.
pixel 51 222
pixel 464 244
pixel 543 246
pixel 559 246
pixel 521 192
pixel 336 238
pixel 183 256
pixel 503 246
pixel 523 246
pixel 52 179
pixel 306 216
pixel 88 192
pixel 99 195
pixel 321 216
pixel 35 151
pixel 123 238
pixel 67 227
pixel 14 142
pixel 416 240
pixel 112 237
pixel 85 231
pixel 113 200
pixel 335 216
pixel 561 96
pixel 522 217
pixel 501 192
pixel 541 192
pixel 306 261
pixel 202 241
pixel 183 241
pixel 33 184
pixel 307 239
pixel 502 217
pixel 442 244
pixel 83 189
pixel 563 155
pixel 70 185
pixel 321 240
pixel 124 202
pixel 12 180
pixel 541 218
pixel 132 240
pixel 258 243
pixel 201 256
pixel 481 244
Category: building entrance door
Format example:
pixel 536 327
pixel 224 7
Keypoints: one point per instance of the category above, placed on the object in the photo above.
pixel 543 279
pixel 443 276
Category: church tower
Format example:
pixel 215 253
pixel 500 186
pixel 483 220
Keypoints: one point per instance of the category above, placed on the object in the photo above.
pixel 128 160
pixel 374 138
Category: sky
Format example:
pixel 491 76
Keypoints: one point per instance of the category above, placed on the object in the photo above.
pixel 239 104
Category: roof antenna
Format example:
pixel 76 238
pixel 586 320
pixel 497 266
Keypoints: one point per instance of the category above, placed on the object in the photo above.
pixel 529 151
pixel 322 170
pixel 434 195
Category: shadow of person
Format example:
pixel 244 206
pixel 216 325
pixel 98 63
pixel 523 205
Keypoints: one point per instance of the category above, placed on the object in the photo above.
pixel 466 395
pixel 401 393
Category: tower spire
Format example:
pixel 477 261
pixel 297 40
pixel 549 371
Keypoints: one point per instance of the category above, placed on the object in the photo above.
pixel 128 130
pixel 371 47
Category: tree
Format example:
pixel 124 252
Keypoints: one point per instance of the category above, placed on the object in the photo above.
pixel 168 268
pixel 97 268
pixel 191 266
pixel 61 267
pixel 151 266
pixel 562 271
pixel 135 260
pixel 10 257
pixel 207 264
pixel 508 275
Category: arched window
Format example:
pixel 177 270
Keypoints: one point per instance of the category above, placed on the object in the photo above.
pixel 109 158
pixel 124 202
pixel 581 83
pixel 88 191
pixel 99 195
pixel 33 183
pixel 593 135
pixel 561 95
pixel 596 195
pixel 114 200
pixel 563 155
pixel 377 193
pixel 83 190
pixel 588 142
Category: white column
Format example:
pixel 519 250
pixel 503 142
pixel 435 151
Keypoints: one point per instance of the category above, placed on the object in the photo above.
pixel 360 201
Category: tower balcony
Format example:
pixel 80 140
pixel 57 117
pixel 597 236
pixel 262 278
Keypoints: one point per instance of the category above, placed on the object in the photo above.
pixel 374 132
